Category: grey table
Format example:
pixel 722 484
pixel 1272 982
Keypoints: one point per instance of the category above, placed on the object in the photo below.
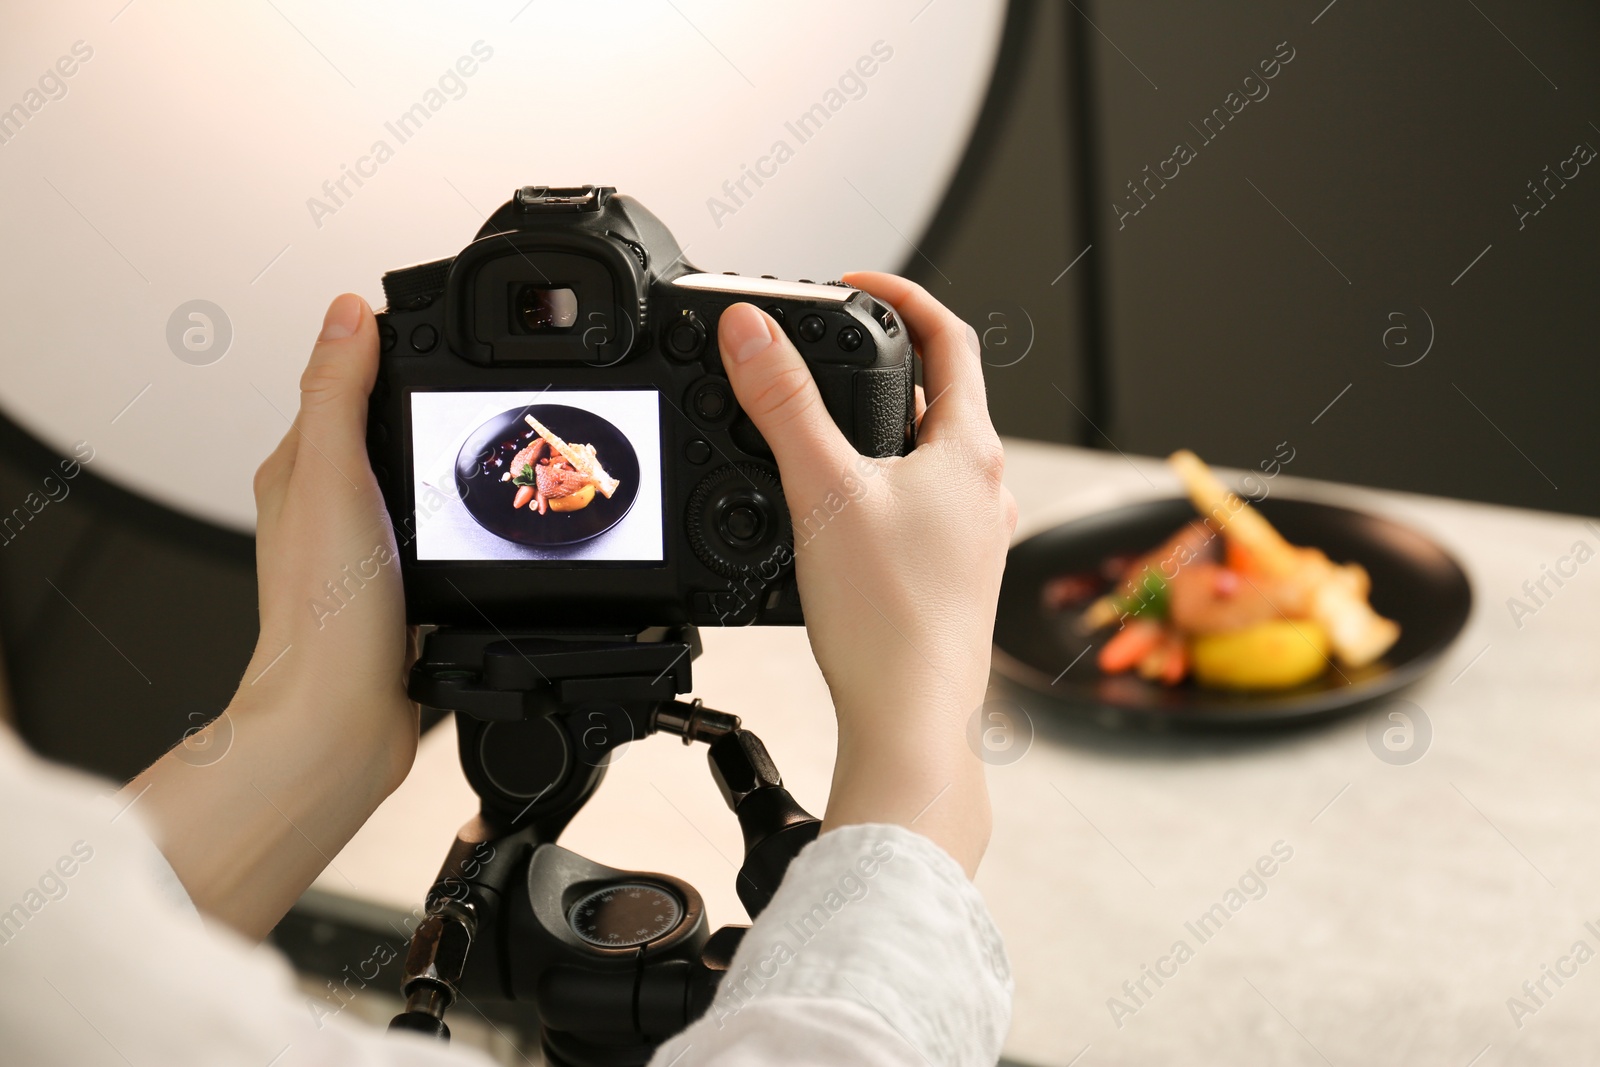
pixel 1414 902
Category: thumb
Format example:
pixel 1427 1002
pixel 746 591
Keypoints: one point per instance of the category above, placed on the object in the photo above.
pixel 337 382
pixel 776 390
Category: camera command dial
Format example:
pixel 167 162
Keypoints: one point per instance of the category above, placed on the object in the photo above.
pixel 625 914
pixel 739 521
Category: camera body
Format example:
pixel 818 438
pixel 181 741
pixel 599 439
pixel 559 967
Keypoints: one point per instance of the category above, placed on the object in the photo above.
pixel 559 447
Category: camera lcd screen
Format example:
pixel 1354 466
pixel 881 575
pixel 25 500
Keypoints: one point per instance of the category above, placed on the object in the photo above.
pixel 565 475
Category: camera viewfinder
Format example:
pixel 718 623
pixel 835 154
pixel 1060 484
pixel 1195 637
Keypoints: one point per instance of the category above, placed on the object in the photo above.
pixel 540 308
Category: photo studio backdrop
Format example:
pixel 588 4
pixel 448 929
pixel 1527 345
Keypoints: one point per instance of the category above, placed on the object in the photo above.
pixel 187 185
pixel 1363 232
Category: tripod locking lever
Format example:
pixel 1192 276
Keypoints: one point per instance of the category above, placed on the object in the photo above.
pixel 775 826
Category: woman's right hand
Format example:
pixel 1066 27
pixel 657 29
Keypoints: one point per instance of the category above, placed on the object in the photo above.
pixel 898 562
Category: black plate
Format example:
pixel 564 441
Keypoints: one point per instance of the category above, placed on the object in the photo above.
pixel 488 499
pixel 1414 582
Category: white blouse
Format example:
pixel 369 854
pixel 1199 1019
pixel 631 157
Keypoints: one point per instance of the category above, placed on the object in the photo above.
pixel 875 950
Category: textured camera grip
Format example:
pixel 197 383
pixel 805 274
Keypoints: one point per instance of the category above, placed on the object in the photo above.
pixel 881 410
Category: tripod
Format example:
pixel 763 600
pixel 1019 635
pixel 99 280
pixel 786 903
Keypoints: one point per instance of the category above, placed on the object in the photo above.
pixel 615 962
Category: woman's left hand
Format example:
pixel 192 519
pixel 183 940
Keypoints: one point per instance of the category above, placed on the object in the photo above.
pixel 334 644
pixel 250 809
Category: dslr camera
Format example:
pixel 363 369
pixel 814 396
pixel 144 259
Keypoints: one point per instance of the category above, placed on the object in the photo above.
pixel 556 440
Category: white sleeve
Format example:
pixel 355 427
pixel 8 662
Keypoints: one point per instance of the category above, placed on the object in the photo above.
pixel 875 950
pixel 103 959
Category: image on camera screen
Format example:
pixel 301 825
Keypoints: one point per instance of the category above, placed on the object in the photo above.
pixel 552 474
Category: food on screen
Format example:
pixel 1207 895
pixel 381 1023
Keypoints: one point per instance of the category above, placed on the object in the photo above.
pixel 565 480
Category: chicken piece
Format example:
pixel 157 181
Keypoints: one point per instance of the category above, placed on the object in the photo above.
pixel 555 482
pixel 1207 598
pixel 1193 541
pixel 527 456
pixel 1142 587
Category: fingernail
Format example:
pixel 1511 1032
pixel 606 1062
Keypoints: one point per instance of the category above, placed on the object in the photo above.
pixel 972 341
pixel 344 315
pixel 744 332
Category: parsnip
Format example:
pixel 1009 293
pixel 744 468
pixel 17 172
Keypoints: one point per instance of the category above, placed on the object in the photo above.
pixel 581 457
pixel 1357 634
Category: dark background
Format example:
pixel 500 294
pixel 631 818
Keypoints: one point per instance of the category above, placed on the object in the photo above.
pixel 1225 316
pixel 1258 284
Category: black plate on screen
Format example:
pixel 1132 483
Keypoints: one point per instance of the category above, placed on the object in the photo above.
pixel 1414 582
pixel 488 499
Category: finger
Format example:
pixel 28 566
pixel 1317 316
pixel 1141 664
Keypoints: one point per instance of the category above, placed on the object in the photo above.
pixel 921 405
pixel 332 422
pixel 951 372
pixel 776 390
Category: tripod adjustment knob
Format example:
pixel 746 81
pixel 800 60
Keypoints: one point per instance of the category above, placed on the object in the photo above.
pixel 420 1022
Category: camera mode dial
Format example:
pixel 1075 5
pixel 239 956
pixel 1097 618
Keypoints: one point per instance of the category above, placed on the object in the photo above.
pixel 739 522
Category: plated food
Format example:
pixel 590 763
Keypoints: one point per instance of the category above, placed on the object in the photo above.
pixel 584 468
pixel 1226 600
pixel 564 480
pixel 1044 657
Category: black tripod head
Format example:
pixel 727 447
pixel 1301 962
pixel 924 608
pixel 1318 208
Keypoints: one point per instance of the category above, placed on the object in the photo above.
pixel 613 961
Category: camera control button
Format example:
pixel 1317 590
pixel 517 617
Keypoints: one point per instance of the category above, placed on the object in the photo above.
pixel 697 451
pixel 386 337
pixel 423 338
pixel 710 402
pixel 685 336
pixel 742 525
pixel 850 338
pixel 812 328
pixel 776 311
